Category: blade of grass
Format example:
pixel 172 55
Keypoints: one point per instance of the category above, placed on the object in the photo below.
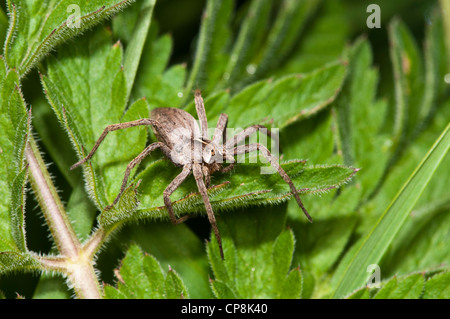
pixel 380 237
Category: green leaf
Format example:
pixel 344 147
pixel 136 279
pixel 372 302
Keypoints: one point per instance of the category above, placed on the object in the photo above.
pixel 283 248
pixel 54 139
pixel 175 288
pixel 257 261
pixel 360 140
pixel 408 72
pixel 320 244
pixel 3 25
pixel 243 187
pixel 176 246
pixel 210 56
pixel 435 66
pixel 81 211
pixel 424 234
pixel 76 106
pixel 37 27
pixel 51 287
pixel 283 36
pixel 222 290
pixel 408 287
pixel 136 45
pixel 141 277
pixel 351 274
pixel 292 285
pixel 17 212
pixel 322 42
pixel 16 261
pixel 438 286
pixel 161 86
pixel 286 100
pixel 15 130
pixel 362 293
pixel 248 42
pixel 445 9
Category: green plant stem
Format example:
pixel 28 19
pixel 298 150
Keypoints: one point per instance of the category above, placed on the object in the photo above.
pixel 74 261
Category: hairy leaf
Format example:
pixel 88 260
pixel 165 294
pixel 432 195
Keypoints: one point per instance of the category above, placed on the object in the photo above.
pixel 15 130
pixel 408 70
pixel 37 27
pixel 286 100
pixel 359 138
pixel 256 265
pixel 16 261
pixel 243 187
pixel 140 276
pixel 177 246
pixel 438 286
pixel 409 287
pixel 102 103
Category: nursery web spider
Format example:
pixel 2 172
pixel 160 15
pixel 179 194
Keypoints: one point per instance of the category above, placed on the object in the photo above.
pixel 186 145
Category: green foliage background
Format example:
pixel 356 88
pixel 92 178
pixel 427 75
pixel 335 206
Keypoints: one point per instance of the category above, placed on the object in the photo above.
pixel 367 108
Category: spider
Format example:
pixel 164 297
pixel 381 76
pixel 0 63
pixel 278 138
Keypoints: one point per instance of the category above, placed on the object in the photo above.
pixel 186 145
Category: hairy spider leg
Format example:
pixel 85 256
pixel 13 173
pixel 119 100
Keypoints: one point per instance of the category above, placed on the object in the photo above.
pixel 171 188
pixel 197 172
pixel 221 130
pixel 242 149
pixel 137 160
pixel 110 128
pixel 207 175
pixel 241 136
pixel 201 113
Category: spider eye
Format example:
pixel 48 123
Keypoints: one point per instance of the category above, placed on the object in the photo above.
pixel 213 152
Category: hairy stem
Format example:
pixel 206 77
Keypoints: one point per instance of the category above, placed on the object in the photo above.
pixel 77 264
pixel 52 208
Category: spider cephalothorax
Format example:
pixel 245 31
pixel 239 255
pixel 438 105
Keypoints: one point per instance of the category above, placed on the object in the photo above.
pixel 188 145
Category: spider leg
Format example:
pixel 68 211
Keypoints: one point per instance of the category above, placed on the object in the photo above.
pixel 235 140
pixel 197 171
pixel 131 165
pixel 241 136
pixel 220 129
pixel 207 175
pixel 230 166
pixel 110 128
pixel 242 149
pixel 171 188
pixel 201 113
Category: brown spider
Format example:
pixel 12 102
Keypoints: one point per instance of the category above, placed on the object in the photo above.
pixel 184 144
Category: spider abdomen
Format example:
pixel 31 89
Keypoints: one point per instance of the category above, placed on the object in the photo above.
pixel 178 130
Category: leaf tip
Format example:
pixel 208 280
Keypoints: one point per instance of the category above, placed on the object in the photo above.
pixel 116 45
